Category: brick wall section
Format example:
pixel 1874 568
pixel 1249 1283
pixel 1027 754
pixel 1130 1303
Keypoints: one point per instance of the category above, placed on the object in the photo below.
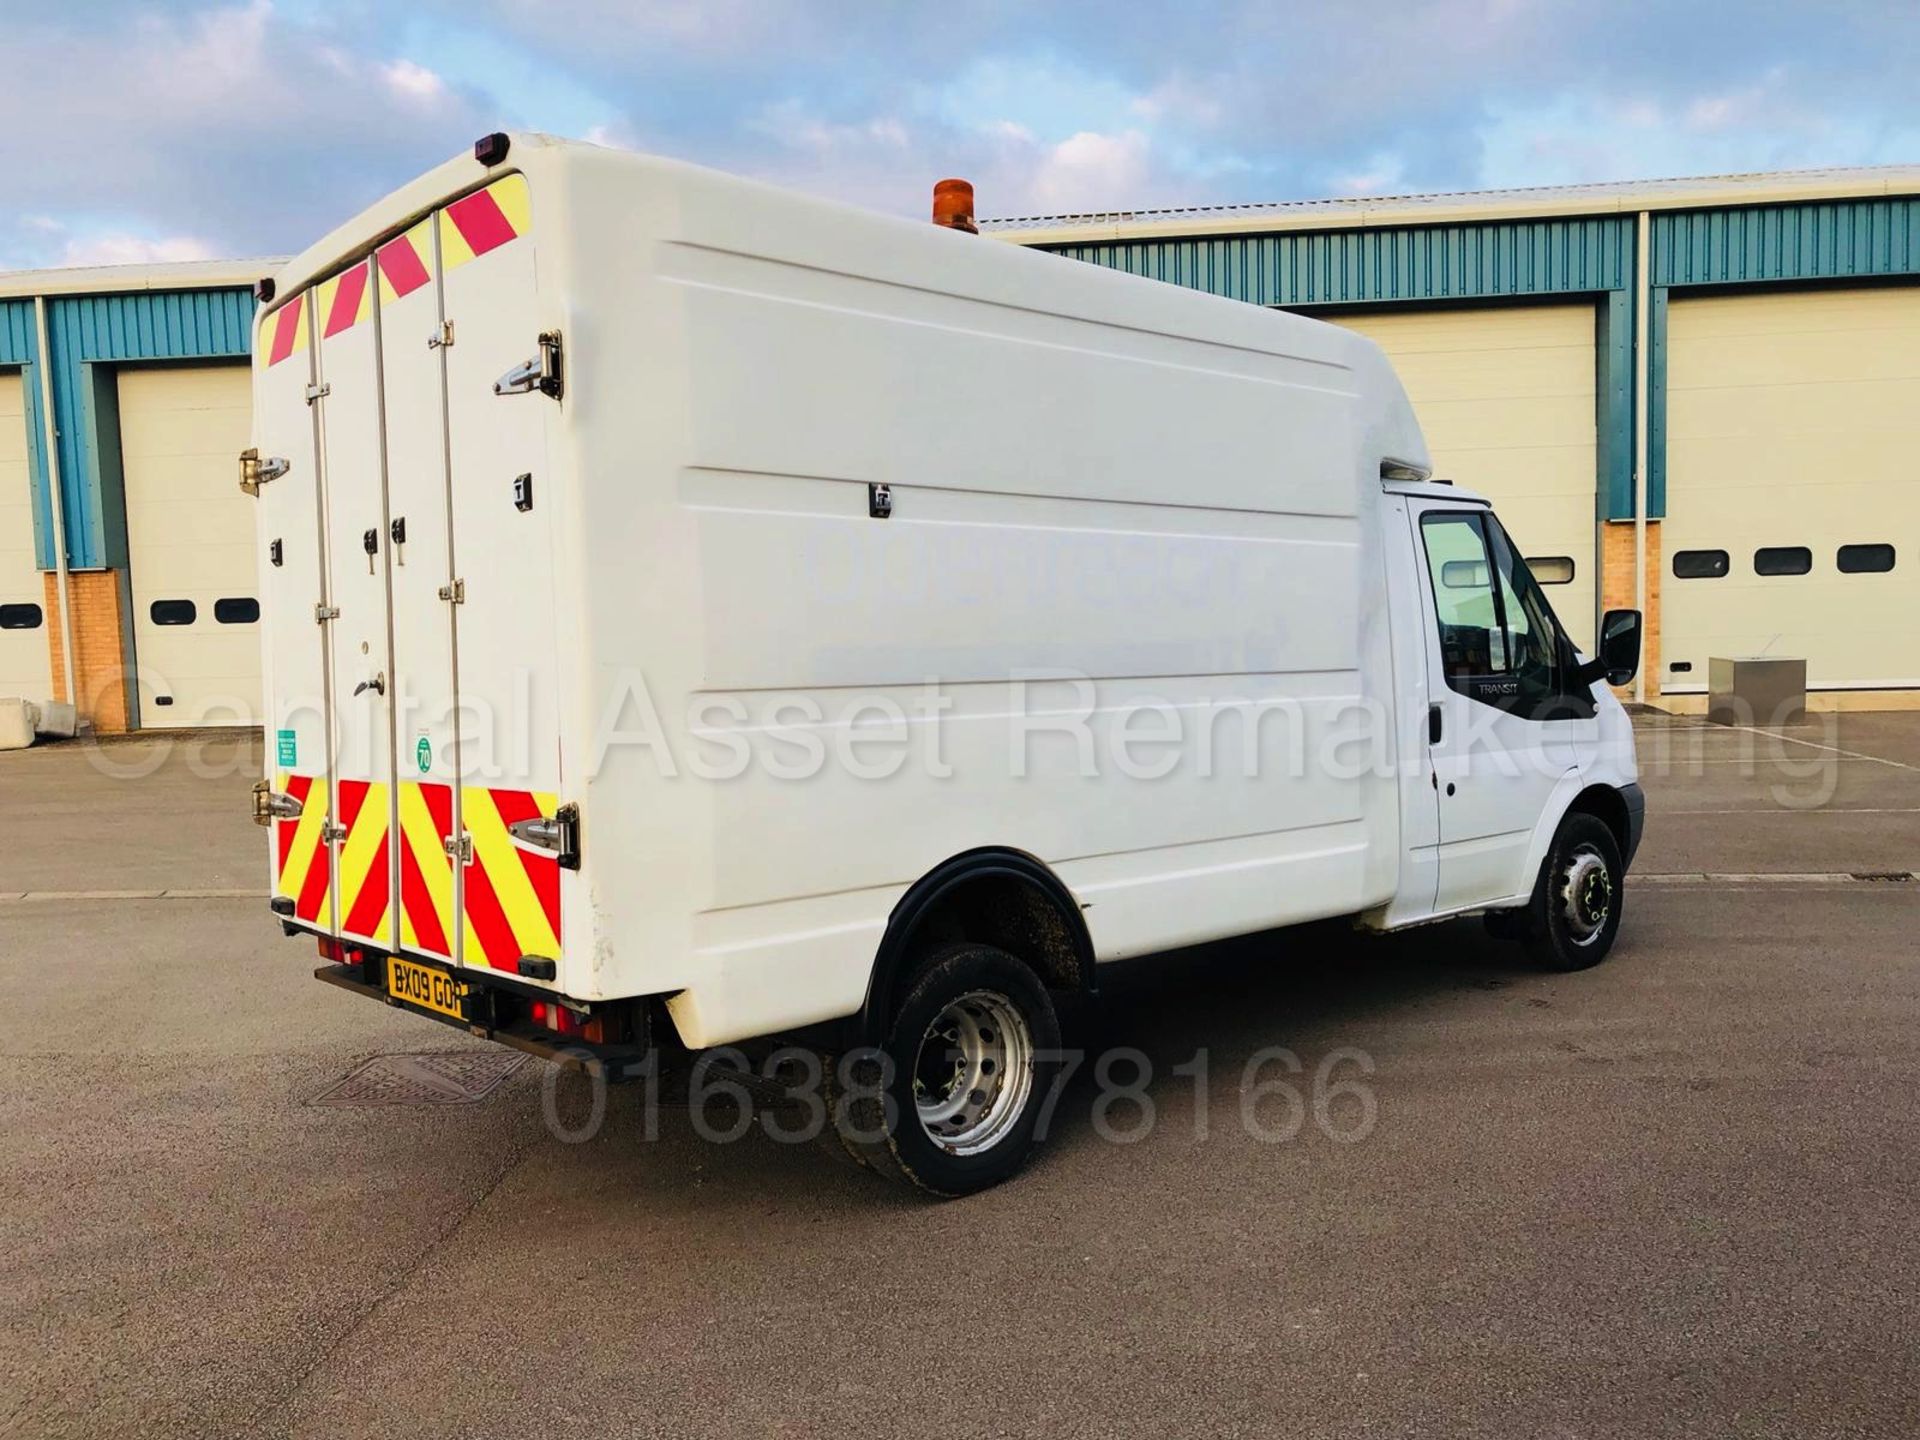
pixel 1616 591
pixel 100 668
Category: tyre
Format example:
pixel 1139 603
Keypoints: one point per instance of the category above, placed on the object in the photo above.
pixel 950 1099
pixel 1578 898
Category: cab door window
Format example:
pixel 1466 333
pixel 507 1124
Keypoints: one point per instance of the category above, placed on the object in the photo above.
pixel 1499 641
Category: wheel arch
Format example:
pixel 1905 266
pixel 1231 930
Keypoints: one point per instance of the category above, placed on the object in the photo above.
pixel 995 895
pixel 1602 801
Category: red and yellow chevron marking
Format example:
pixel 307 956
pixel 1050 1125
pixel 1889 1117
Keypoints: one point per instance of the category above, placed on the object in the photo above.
pixel 484 220
pixel 513 891
pixel 366 884
pixel 343 301
pixel 301 860
pixel 405 263
pixel 426 870
pixel 285 331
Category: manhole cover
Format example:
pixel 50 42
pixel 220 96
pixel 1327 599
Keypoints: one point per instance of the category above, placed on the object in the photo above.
pixel 460 1077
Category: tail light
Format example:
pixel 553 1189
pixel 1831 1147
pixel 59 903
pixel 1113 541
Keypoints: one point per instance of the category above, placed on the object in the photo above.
pixel 332 949
pixel 562 1021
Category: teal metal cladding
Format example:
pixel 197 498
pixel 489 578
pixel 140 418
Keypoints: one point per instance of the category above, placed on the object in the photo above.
pixel 1826 240
pixel 89 331
pixel 1794 244
pixel 1437 262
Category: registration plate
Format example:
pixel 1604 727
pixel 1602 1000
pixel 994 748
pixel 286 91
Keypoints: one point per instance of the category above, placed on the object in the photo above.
pixel 424 986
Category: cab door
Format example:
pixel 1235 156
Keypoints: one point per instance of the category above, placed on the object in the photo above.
pixel 1506 726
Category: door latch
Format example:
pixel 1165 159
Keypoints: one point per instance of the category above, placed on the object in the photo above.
pixel 323 613
pixel 255 472
pixel 318 392
pixel 879 502
pixel 330 833
pixel 442 336
pixel 459 847
pixel 544 372
pixel 454 594
pixel 560 833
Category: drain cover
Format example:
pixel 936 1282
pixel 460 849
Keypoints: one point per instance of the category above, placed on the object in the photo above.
pixel 457 1077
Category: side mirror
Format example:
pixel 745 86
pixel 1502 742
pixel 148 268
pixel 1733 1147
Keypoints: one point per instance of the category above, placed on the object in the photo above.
pixel 1619 657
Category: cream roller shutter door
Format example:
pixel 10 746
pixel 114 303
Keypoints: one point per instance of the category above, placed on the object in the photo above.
pixel 1793 420
pixel 25 660
pixel 191 545
pixel 1506 398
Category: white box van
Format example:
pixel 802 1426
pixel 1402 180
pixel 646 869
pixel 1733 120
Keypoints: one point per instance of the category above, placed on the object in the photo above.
pixel 696 612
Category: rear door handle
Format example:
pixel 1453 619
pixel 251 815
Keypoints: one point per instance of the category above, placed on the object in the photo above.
pixel 378 684
pixel 1436 723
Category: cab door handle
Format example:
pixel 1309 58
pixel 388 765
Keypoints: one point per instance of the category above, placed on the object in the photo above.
pixel 1436 723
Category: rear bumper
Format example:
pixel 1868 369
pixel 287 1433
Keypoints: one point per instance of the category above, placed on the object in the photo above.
pixel 1636 800
pixel 501 1016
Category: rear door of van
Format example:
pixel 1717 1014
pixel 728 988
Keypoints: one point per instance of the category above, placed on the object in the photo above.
pixel 412 671
pixel 293 635
pixel 508 668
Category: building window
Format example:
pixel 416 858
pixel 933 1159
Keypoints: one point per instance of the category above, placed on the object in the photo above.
pixel 1551 569
pixel 1782 560
pixel 241 610
pixel 1864 559
pixel 173 612
pixel 1699 564
pixel 19 617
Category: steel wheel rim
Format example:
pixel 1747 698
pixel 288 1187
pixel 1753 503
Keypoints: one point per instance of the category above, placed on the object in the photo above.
pixel 973 1072
pixel 1586 895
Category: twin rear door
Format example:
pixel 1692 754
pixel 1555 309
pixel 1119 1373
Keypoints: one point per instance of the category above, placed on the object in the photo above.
pixel 437 639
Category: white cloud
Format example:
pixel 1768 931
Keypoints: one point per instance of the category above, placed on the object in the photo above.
pixel 1091 171
pixel 124 249
pixel 416 82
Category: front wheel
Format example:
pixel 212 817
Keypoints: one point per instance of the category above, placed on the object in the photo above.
pixel 1577 901
pixel 951 1098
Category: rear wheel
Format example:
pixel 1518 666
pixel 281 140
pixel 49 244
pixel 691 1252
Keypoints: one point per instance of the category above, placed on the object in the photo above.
pixel 949 1101
pixel 1577 901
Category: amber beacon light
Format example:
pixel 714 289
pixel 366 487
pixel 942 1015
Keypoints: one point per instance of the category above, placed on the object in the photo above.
pixel 953 205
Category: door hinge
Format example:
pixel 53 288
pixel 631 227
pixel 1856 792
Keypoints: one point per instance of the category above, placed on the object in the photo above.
pixel 255 472
pixel 560 834
pixel 545 372
pixel 324 613
pixel 442 337
pixel 454 594
pixel 330 832
pixel 315 392
pixel 459 847
pixel 270 805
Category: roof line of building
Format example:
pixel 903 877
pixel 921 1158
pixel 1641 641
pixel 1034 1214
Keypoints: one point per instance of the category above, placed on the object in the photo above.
pixel 1448 207
pixel 126 279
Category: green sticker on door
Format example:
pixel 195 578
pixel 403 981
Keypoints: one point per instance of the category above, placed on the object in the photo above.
pixel 286 749
pixel 423 754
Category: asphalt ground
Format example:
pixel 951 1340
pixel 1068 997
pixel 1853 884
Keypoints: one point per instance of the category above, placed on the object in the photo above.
pixel 1674 1194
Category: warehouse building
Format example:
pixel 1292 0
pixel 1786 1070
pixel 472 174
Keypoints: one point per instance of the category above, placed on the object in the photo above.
pixel 1735 358
pixel 1766 329
pixel 133 421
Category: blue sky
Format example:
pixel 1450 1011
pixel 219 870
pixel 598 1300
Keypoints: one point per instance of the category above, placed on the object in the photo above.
pixel 133 131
